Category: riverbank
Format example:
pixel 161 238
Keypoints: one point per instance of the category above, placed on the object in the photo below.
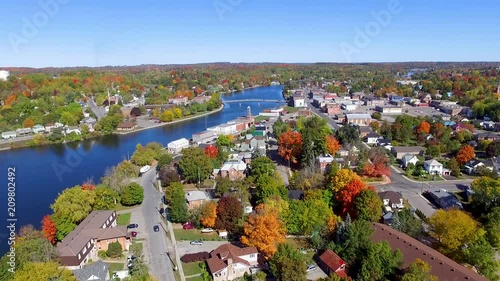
pixel 169 123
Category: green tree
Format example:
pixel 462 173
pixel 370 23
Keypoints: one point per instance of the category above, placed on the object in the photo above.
pixel 262 166
pixel 177 207
pixel 491 223
pixel 352 239
pixel 164 160
pixel 481 255
pixel 74 203
pixel 486 194
pixel 288 264
pixel 454 167
pixel 44 271
pixel 279 127
pixel 105 198
pixel 269 186
pixel 419 270
pixel 224 140
pixel 380 262
pixel 114 250
pixel 195 165
pixel 368 205
pixel 305 216
pixel 347 134
pixel 132 195
pixel 406 222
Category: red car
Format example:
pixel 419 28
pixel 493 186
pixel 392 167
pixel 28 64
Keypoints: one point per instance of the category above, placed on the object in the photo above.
pixel 133 234
pixel 187 225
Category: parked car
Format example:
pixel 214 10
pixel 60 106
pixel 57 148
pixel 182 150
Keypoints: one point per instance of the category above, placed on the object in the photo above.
pixel 145 169
pixel 311 267
pixel 132 225
pixel 130 258
pixel 188 225
pixel 196 242
pixel 156 228
pixel 207 230
pixel 133 233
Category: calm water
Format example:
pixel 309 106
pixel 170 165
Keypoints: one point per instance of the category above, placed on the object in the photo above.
pixel 43 172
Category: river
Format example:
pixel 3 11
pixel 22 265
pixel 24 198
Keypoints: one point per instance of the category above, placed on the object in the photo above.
pixel 43 172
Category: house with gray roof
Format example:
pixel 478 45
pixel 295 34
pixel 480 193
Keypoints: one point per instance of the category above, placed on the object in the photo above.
pixel 400 151
pixel 97 271
pixel 409 159
pixel 445 199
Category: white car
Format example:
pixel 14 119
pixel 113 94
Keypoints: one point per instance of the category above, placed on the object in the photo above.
pixel 145 169
pixel 207 230
pixel 311 267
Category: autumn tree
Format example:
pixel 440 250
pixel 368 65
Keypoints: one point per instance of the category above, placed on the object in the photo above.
pixel 264 230
pixel 290 145
pixel 465 154
pixel 423 128
pixel 379 164
pixel 28 123
pixel 168 175
pixel 211 151
pixel 341 178
pixel 453 229
pixel 332 145
pixel 368 205
pixel 36 271
pixel 288 264
pixel 49 229
pixel 208 214
pixel 418 270
pixel 167 116
pixel 347 195
pixel 229 212
pixel 486 194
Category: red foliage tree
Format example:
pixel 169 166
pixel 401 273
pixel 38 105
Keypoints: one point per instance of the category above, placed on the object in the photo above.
pixel 379 166
pixel 424 127
pixel 290 145
pixel 211 151
pixel 465 154
pixel 347 195
pixel 49 229
pixel 88 186
pixel 332 145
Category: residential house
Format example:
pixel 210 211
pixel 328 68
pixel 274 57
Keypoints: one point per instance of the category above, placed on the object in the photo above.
pixel 178 101
pixel 391 199
pixel 409 159
pixel 93 234
pixel 195 198
pixel 98 271
pixel 375 102
pixel 349 106
pixel 324 161
pixel 23 131
pixel 348 150
pixel 177 146
pixel 472 166
pixel 233 169
pixel 487 136
pixel 383 142
pixel 445 199
pixel 201 99
pixel 9 135
pixel 433 167
pixel 400 151
pixel 362 119
pixel 441 266
pixel 126 126
pixel 372 138
pixel 75 130
pixel 364 130
pixel 38 129
pixel 331 263
pixel 459 127
pixel 204 137
pixel 332 109
pixel 229 262
pixel 258 143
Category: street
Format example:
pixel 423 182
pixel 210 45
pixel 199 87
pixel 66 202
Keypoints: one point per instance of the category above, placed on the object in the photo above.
pixel 98 111
pixel 159 261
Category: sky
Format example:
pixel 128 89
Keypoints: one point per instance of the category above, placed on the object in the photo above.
pixel 58 33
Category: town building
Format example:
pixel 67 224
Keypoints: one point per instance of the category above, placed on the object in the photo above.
pixel 9 135
pixel 324 162
pixel 204 137
pixel 372 138
pixel 234 170
pixel 332 109
pixel 374 102
pixel 229 262
pixel 97 271
pixel 389 109
pixel 362 119
pixel 409 159
pixel 392 199
pixel 195 198
pixel 400 151
pixel 299 102
pixel 126 126
pixel 177 146
pixel 93 234
pixel 178 101
pixel 445 199
pixel 349 106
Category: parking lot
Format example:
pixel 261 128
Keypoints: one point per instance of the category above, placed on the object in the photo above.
pixel 185 248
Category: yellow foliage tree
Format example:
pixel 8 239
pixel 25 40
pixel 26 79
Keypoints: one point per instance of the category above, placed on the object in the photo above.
pixel 35 271
pixel 342 178
pixel 264 230
pixel 208 214
pixel 278 205
pixel 177 112
pixel 167 116
pixel 454 228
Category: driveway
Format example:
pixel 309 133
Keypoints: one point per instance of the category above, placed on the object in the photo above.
pixel 316 274
pixel 185 248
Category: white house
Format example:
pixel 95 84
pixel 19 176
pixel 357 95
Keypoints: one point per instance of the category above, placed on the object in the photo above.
pixel 392 199
pixel 433 167
pixel 38 129
pixel 9 135
pixel 299 102
pixel 229 262
pixel 75 130
pixel 409 159
pixel 177 146
pixel 372 138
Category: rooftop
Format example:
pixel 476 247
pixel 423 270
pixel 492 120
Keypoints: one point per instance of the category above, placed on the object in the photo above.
pixel 358 116
pixel 196 195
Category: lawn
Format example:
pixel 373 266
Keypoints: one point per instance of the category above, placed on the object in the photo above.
pixel 195 234
pixel 197 278
pixel 260 118
pixel 120 207
pixel 191 268
pixel 123 219
pixel 304 245
pixel 112 267
pixel 291 109
pixel 136 248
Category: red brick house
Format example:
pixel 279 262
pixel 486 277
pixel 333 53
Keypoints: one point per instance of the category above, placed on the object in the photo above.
pixel 332 109
pixel 331 263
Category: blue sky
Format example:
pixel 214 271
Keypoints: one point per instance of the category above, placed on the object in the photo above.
pixel 97 33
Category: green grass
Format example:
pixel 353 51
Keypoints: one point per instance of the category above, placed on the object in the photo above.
pixel 197 278
pixel 123 219
pixel 260 118
pixel 191 268
pixel 136 248
pixel 120 207
pixel 195 234
pixel 291 109
pixel 112 267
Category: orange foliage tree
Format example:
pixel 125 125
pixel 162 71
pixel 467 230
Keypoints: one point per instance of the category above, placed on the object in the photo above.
pixel 211 151
pixel 28 123
pixel 264 230
pixel 347 195
pixel 379 165
pixel 332 145
pixel 49 229
pixel 88 185
pixel 290 145
pixel 424 127
pixel 10 100
pixel 465 154
pixel 208 214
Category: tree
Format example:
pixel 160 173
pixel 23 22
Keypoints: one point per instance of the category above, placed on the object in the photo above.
pixel 28 123
pixel 346 195
pixel 195 165
pixel 486 194
pixel 492 226
pixel 419 270
pixel 132 195
pixel 224 140
pixel 269 186
pixel 481 255
pixel 49 229
pixel 229 212
pixel 454 167
pixel 114 250
pixel 493 149
pixel 167 116
pixel 290 145
pixel 177 113
pixel 406 222
pixel 341 178
pixel 424 128
pixel 211 151
pixel 135 112
pixel 106 198
pixel 288 264
pixel 208 214
pixel 264 230
pixel 465 154
pixel 347 134
pixel 368 205
pixel 332 145
pixel 453 229
pixel 74 203
pixel 380 262
pixel 44 271
pixel 379 165
pixel 168 175
pixel 164 160
pixel 304 217
pixel 177 207
pixel 261 166
pixel 279 127
pixel 352 240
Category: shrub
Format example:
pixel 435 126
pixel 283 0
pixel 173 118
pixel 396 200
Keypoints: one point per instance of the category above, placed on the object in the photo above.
pixel 132 195
pixel 114 250
pixel 195 257
pixel 102 254
pixel 421 215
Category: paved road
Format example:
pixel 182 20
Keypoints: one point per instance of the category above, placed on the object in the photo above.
pixel 159 262
pixel 98 111
pixel 316 110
